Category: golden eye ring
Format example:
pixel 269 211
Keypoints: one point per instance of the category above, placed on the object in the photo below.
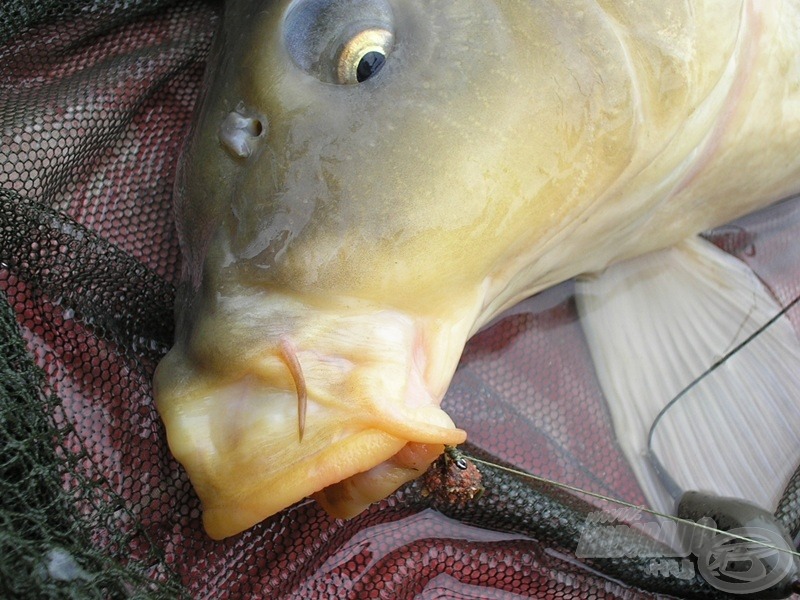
pixel 359 47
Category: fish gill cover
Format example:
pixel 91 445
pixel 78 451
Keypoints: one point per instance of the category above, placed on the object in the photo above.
pixel 95 98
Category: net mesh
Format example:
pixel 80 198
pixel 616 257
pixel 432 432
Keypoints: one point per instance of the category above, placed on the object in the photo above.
pixel 95 98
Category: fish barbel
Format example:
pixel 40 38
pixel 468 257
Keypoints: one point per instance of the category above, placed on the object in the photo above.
pixel 368 182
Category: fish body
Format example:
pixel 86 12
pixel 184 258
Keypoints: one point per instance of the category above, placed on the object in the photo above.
pixel 342 239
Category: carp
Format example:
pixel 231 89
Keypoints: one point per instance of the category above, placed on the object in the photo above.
pixel 369 182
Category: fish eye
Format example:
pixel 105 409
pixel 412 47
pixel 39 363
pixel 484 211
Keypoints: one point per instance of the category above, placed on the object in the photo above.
pixel 363 55
pixel 339 41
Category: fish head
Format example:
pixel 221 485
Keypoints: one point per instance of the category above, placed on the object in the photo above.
pixel 344 233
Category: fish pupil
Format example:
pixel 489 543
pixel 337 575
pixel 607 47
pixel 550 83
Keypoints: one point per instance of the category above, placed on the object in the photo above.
pixel 369 64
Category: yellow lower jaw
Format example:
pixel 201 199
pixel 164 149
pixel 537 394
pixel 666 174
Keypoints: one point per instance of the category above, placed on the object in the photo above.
pixel 238 440
pixel 226 512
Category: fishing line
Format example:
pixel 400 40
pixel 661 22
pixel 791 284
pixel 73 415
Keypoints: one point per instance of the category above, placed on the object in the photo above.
pixel 656 463
pixel 656 513
pixel 705 374
pixel 669 482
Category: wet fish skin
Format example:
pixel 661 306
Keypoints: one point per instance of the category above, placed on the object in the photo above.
pixel 376 226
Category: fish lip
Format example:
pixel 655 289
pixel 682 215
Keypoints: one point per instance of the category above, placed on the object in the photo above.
pixel 229 512
pixel 244 473
pixel 232 420
pixel 351 496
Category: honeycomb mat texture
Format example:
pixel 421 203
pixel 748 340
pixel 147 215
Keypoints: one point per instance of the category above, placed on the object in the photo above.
pixel 95 99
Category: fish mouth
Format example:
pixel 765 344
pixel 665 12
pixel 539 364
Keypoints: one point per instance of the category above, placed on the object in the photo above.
pixel 258 428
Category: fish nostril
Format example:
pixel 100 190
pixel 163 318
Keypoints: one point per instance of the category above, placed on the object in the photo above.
pixel 241 130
